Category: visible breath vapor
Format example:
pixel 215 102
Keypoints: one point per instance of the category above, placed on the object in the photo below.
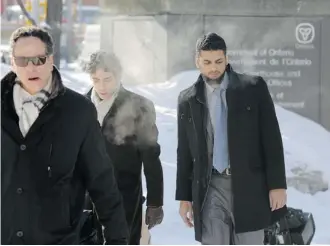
pixel 133 122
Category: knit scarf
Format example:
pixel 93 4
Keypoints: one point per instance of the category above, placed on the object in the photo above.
pixel 28 106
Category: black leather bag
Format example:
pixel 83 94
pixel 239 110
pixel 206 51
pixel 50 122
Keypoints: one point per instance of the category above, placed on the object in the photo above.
pixel 297 227
pixel 91 230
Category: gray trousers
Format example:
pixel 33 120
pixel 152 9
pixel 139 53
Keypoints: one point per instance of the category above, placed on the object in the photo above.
pixel 218 225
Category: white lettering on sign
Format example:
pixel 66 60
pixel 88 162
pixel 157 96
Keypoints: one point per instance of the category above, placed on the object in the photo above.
pixel 296 62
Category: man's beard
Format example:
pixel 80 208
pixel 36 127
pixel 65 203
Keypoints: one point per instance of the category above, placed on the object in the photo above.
pixel 214 81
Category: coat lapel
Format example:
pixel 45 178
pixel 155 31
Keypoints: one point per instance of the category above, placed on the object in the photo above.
pixel 232 89
pixel 207 124
pixel 234 98
pixel 202 116
pixel 9 118
pixel 201 119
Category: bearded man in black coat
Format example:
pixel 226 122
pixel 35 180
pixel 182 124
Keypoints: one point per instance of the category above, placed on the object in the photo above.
pixel 231 180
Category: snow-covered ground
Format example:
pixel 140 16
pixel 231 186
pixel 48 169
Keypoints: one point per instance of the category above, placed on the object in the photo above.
pixel 306 144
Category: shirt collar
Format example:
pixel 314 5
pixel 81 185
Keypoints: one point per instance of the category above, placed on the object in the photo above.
pixel 223 85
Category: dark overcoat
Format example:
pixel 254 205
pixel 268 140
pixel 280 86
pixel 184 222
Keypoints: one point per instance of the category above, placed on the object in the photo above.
pixel 131 136
pixel 45 175
pixel 255 151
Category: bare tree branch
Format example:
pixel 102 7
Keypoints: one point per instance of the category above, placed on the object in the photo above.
pixel 27 15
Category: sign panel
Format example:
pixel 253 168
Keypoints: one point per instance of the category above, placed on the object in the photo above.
pixel 284 51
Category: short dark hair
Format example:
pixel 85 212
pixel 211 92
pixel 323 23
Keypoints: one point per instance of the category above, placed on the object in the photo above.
pixel 211 41
pixel 109 62
pixel 33 31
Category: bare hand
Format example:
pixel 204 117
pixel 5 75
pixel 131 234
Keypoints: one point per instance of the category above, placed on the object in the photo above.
pixel 277 199
pixel 186 213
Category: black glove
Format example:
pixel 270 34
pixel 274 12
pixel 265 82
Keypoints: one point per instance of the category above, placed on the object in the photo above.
pixel 154 216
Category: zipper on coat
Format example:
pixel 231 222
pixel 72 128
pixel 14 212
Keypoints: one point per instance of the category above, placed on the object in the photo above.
pixel 49 169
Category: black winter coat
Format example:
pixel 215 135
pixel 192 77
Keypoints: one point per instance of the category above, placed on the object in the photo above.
pixel 44 176
pixel 131 139
pixel 255 151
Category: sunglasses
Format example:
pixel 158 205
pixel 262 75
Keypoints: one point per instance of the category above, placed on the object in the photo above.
pixel 22 61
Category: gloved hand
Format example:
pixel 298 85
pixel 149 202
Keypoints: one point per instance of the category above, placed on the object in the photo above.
pixel 154 216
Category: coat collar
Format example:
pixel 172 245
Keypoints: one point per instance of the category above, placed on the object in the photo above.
pixel 8 82
pixel 199 86
pixel 8 112
pixel 121 94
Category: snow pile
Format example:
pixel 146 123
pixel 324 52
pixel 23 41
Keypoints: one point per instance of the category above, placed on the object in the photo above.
pixel 307 154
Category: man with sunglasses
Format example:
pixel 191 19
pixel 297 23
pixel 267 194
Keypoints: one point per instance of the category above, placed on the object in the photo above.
pixel 52 152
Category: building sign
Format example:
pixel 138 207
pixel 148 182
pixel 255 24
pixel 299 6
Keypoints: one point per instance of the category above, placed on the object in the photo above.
pixel 284 51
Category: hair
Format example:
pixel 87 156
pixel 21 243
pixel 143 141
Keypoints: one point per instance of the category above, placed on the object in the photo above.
pixel 33 31
pixel 109 62
pixel 210 41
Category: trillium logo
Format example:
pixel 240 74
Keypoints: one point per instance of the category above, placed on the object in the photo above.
pixel 305 33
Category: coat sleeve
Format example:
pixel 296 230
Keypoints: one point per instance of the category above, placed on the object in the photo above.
pixel 271 140
pixel 99 178
pixel 149 150
pixel 184 159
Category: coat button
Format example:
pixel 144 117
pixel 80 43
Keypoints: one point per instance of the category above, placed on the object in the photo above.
pixel 19 191
pixel 248 108
pixel 23 147
pixel 19 234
